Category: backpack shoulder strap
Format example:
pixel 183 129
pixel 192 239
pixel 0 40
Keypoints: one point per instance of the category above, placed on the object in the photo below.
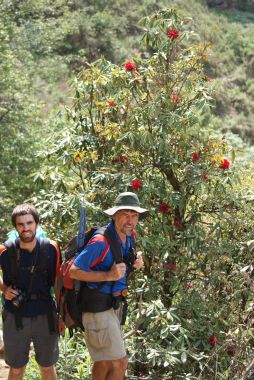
pixel 14 258
pixel 44 244
pixel 2 248
pixel 114 245
pixel 133 241
pixel 44 250
pixel 58 255
pixel 110 238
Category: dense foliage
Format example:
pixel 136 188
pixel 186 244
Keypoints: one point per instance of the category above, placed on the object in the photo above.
pixel 140 119
pixel 44 42
pixel 137 126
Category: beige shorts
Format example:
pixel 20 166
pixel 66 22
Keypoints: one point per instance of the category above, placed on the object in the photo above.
pixel 103 336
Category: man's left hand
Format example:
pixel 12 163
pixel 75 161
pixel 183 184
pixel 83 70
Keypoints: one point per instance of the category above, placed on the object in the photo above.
pixel 139 261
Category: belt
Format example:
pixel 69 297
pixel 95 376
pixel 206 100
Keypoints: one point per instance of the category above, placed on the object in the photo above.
pixel 123 293
pixel 37 296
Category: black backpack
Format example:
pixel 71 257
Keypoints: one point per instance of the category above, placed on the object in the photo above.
pixel 71 294
pixel 14 261
pixel 14 257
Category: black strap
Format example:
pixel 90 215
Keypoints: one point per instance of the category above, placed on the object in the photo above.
pixel 44 257
pixel 115 249
pixel 18 319
pixel 133 242
pixel 13 250
pixel 124 311
pixel 114 245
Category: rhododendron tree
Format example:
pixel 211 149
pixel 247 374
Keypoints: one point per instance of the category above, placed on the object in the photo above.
pixel 137 127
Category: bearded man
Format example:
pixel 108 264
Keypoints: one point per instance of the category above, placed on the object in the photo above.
pixel 29 267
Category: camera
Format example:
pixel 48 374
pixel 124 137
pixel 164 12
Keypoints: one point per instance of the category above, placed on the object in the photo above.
pixel 129 260
pixel 20 299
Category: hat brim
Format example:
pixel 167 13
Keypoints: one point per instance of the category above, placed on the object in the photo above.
pixel 111 211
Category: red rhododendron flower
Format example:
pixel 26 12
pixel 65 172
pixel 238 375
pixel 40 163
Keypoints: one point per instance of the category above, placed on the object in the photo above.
pixel 177 224
pixel 231 347
pixel 110 103
pixel 231 351
pixel 123 159
pixel 229 289
pixel 120 159
pixel 136 184
pixel 164 207
pixel 213 340
pixel 195 156
pixel 205 177
pixel 175 98
pixel 189 285
pixel 224 164
pixel 130 66
pixel 170 266
pixel 173 34
pixel 209 79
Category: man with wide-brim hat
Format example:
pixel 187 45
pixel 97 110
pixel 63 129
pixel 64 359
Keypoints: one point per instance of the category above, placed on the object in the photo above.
pixel 96 267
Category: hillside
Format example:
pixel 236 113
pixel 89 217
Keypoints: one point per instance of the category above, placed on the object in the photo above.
pixel 89 109
pixel 44 44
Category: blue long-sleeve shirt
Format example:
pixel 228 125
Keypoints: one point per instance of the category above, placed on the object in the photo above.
pixel 97 256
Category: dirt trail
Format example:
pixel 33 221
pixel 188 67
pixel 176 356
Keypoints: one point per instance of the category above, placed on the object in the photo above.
pixel 4 369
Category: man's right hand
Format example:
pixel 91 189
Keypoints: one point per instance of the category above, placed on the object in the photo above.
pixel 10 293
pixel 116 272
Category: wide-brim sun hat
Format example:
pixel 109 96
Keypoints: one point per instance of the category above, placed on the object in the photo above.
pixel 126 201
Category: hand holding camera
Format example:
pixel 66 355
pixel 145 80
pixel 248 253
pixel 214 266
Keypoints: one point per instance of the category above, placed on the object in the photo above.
pixel 20 299
pixel 10 293
pixel 17 297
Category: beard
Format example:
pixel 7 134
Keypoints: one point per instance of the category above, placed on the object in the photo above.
pixel 127 230
pixel 27 239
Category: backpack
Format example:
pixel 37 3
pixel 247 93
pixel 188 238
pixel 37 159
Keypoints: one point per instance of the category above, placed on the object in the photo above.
pixel 14 260
pixel 68 291
pixel 14 257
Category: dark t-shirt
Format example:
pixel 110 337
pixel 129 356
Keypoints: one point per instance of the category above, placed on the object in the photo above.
pixel 41 281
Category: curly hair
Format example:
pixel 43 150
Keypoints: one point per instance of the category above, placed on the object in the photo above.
pixel 24 209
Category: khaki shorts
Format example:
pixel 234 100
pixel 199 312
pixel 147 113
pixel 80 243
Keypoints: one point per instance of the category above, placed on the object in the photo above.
pixel 103 336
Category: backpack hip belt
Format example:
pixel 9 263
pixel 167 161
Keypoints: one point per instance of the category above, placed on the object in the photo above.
pixel 122 293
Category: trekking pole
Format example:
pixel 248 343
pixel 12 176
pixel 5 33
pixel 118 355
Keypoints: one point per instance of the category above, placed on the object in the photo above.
pixel 81 236
pixel 82 226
